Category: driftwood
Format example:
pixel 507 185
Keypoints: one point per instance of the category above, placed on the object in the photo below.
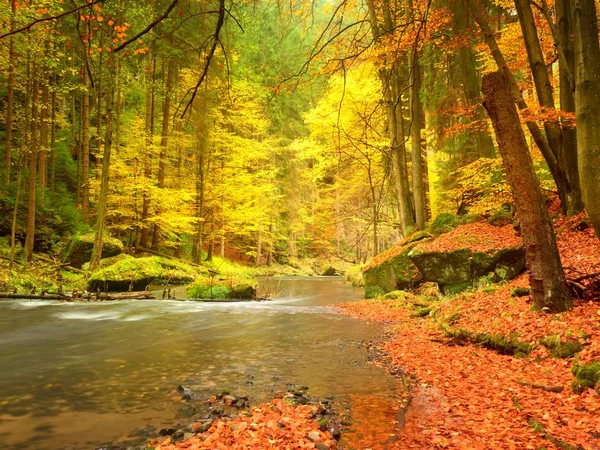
pixel 224 300
pixel 35 296
pixel 79 296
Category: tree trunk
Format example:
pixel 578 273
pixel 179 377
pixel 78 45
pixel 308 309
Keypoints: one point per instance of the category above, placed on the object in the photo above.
pixel 470 81
pixel 546 275
pixel 43 150
pixel 33 157
pixel 10 99
pixel 416 126
pixel 85 150
pixel 551 158
pixel 259 247
pixel 104 184
pixel 587 101
pixel 150 73
pixel 53 136
pixel 13 229
pixel 567 157
pixel 570 194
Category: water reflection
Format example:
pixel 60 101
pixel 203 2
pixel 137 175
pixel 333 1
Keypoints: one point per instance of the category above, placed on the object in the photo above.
pixel 112 367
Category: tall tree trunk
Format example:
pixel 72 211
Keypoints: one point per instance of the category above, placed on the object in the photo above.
pixel 10 98
pixel 551 158
pixel 467 68
pixel 587 101
pixel 567 157
pixel 85 150
pixel 118 108
pixel 150 73
pixel 392 89
pixel 53 136
pixel 416 143
pixel 570 194
pixel 546 275
pixel 200 181
pixel 259 246
pixel 13 228
pixel 43 150
pixel 33 157
pixel 104 184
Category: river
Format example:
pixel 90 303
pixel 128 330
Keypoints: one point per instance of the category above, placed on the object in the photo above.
pixel 80 375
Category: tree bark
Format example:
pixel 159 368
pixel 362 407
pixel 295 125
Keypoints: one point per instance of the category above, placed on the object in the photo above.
pixel 546 275
pixel 10 98
pixel 567 157
pixel 33 157
pixel 104 184
pixel 150 73
pixel 43 150
pixel 570 193
pixel 85 150
pixel 587 101
pixel 551 158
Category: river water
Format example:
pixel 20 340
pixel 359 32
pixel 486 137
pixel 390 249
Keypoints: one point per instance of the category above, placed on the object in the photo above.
pixel 79 375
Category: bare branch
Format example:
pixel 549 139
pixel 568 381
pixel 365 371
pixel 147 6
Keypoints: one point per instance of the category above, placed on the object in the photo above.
pixel 155 22
pixel 49 18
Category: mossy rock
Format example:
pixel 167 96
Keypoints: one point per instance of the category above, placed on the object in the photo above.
pixel 215 291
pixel 137 273
pixel 80 249
pixel 244 291
pixel 329 271
pixel 455 270
pixel 562 349
pixel 586 376
pixel 395 273
pixel 374 291
pixel 444 223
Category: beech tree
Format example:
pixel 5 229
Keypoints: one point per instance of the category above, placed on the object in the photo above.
pixel 546 275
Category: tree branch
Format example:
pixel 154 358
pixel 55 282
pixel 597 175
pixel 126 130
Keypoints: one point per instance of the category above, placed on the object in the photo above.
pixel 155 22
pixel 46 19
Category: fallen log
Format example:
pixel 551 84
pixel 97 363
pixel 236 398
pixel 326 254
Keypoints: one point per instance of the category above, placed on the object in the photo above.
pixel 139 295
pixel 34 296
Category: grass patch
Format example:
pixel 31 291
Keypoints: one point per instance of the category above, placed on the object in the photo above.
pixel 586 376
pixel 561 349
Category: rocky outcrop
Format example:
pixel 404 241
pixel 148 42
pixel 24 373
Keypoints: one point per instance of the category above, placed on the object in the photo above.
pixel 393 270
pixel 79 250
pixel 453 260
pixel 136 273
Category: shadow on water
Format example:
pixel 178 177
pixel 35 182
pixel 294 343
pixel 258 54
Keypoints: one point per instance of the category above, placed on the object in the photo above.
pixel 78 375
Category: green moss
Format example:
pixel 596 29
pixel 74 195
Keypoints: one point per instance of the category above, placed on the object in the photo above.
pixel 560 349
pixel 422 312
pixel 444 223
pixel 80 249
pixel 520 292
pixel 504 345
pixel 586 376
pixel 374 291
pixel 394 295
pixel 539 428
pixel 137 273
pixel 470 218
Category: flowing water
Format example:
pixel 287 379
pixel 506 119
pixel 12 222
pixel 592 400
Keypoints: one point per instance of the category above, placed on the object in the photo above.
pixel 78 375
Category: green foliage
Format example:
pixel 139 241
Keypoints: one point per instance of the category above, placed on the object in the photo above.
pixel 373 291
pixel 586 376
pixel 139 272
pixel 443 223
pixel 562 348
pixel 520 292
pixel 355 276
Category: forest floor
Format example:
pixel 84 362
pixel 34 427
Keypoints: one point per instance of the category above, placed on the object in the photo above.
pixel 487 371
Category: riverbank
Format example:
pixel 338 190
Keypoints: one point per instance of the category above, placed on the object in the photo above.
pixel 486 371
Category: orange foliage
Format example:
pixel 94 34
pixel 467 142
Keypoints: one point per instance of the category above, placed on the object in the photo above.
pixel 277 425
pixel 478 237
pixel 467 397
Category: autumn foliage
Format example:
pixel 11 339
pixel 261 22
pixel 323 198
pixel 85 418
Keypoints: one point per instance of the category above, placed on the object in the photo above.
pixel 277 424
pixel 465 394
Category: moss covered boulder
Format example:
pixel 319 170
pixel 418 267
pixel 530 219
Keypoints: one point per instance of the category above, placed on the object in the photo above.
pixel 457 258
pixel 79 250
pixel 136 273
pixel 393 269
pixel 444 223
pixel 587 376
pixel 205 288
